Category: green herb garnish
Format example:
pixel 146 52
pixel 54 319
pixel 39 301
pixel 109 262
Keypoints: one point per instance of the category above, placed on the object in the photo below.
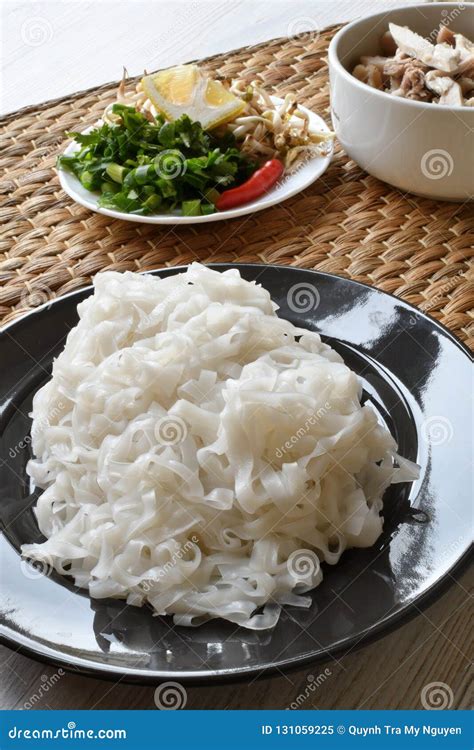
pixel 144 167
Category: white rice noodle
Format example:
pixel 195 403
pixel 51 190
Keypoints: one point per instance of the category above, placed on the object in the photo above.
pixel 200 454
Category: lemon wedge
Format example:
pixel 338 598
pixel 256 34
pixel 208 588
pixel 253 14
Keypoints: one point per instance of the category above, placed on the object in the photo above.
pixel 185 89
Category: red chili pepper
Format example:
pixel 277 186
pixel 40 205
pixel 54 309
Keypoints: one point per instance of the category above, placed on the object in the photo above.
pixel 258 184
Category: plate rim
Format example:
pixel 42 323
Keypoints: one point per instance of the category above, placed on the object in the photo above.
pixel 234 213
pixel 78 665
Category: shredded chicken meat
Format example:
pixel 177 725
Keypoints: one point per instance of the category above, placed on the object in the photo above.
pixel 412 67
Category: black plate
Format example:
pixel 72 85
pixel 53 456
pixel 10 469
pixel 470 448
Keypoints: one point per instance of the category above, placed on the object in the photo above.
pixel 417 376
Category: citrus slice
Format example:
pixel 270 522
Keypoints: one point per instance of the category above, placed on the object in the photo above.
pixel 187 90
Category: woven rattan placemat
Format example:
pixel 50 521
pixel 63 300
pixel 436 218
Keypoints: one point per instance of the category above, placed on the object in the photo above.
pixel 347 223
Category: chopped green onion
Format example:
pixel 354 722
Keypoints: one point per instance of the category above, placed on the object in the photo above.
pixel 137 166
pixel 207 208
pixel 192 208
pixel 116 172
pixel 87 180
pixel 152 202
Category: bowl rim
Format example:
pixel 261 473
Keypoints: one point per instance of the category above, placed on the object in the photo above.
pixel 336 64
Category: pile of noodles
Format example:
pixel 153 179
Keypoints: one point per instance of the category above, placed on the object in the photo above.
pixel 200 454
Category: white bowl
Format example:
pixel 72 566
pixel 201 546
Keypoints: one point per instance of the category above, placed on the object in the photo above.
pixel 421 148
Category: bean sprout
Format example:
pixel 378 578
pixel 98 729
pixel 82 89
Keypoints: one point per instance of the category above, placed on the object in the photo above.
pixel 276 129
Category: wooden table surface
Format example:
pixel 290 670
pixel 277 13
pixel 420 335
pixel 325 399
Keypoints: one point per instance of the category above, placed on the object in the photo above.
pixel 75 45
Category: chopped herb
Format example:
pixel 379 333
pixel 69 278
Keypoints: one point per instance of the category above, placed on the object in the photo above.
pixel 143 167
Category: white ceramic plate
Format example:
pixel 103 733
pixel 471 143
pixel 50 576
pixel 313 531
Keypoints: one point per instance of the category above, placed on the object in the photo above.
pixel 288 186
